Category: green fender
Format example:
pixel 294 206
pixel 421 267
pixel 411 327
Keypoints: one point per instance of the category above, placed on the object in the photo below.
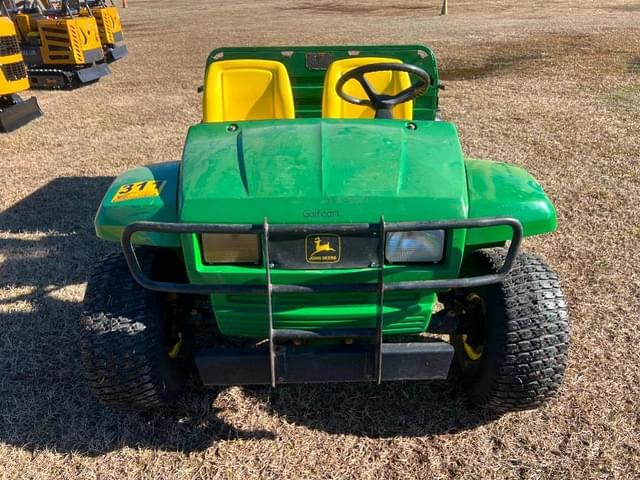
pixel 499 189
pixel 114 215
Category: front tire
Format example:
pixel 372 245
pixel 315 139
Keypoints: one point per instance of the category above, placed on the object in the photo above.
pixel 129 356
pixel 515 353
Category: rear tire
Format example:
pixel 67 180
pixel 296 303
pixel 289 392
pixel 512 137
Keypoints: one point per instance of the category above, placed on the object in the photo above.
pixel 124 340
pixel 524 337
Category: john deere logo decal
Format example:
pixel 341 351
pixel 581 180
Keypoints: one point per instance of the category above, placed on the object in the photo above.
pixel 322 248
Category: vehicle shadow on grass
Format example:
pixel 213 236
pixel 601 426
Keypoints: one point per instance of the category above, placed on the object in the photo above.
pixel 47 249
pixel 404 409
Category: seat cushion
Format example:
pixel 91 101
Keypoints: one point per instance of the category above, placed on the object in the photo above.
pixel 389 83
pixel 237 90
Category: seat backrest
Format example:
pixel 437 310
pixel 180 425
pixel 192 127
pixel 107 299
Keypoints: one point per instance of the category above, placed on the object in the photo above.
pixel 388 83
pixel 237 90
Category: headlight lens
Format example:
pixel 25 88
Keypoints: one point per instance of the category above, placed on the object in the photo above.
pixel 230 248
pixel 420 246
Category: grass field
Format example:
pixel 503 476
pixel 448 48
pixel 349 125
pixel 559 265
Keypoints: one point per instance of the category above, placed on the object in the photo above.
pixel 551 86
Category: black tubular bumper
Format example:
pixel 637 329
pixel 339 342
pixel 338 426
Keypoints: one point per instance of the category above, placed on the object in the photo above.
pixel 265 229
pixel 429 361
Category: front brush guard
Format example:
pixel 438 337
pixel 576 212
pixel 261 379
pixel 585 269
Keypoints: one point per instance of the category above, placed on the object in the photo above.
pixel 269 288
pixel 266 228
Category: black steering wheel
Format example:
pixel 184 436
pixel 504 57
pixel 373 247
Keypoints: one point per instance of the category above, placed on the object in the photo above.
pixel 383 104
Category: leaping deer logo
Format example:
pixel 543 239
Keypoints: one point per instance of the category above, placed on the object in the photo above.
pixel 322 247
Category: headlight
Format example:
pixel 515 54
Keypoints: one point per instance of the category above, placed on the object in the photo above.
pixel 230 248
pixel 418 246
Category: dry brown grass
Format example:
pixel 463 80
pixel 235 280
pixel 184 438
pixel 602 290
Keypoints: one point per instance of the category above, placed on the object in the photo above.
pixel 551 86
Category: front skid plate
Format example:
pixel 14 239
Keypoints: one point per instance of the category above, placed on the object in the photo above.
pixel 93 73
pixel 20 114
pixel 116 53
pixel 355 363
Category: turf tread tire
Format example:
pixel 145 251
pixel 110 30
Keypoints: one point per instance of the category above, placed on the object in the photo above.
pixel 527 345
pixel 122 343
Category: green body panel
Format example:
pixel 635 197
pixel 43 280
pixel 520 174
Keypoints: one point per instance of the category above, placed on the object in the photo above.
pixel 320 171
pixel 112 216
pixel 408 313
pixel 501 190
pixel 244 315
pixel 307 83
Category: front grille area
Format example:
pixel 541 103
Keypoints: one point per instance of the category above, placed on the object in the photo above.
pixel 9 45
pixel 14 71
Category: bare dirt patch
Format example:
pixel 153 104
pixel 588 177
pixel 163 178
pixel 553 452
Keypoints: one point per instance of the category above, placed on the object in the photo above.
pixel 333 8
pixel 544 85
pixel 493 66
pixel 626 97
pixel 633 7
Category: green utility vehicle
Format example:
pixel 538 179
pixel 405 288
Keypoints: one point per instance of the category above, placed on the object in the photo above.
pixel 323 225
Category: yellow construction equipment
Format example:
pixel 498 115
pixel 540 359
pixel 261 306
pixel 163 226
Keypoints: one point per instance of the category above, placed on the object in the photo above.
pixel 110 28
pixel 14 112
pixel 61 46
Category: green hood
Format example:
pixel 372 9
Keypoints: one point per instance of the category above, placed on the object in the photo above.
pixel 322 171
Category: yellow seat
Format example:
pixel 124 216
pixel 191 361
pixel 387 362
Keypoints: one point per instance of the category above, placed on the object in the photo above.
pixel 388 83
pixel 237 90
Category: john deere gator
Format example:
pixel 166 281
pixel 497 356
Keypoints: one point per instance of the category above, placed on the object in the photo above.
pixel 14 112
pixel 324 226
pixel 61 48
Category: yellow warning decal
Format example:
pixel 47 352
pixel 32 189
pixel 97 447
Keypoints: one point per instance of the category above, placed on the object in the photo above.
pixel 131 191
